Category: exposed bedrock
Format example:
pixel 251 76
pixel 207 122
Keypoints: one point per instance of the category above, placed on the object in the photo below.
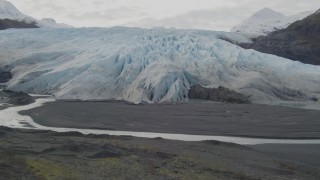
pixel 220 94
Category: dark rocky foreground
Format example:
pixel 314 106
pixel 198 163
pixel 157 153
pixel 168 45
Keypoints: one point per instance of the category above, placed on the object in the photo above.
pixel 300 41
pixel 29 154
pixel 199 118
pixel 304 153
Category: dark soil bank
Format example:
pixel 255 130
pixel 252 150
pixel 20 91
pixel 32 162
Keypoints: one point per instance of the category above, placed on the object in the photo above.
pixel 28 154
pixel 200 118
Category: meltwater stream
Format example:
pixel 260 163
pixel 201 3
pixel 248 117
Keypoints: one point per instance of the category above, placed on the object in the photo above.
pixel 10 117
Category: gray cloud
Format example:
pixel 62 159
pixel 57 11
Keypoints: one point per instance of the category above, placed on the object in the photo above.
pixel 201 19
pixel 110 14
pixel 200 14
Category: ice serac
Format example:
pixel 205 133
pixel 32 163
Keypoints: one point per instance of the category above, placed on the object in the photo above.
pixel 266 21
pixel 157 65
pixel 10 12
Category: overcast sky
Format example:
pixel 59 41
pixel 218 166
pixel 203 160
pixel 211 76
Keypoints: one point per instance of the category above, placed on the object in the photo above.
pixel 201 14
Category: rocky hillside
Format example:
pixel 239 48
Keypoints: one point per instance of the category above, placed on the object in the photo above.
pixel 15 98
pixel 300 41
pixel 8 23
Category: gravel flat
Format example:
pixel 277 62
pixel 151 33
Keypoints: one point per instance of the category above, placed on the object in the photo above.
pixel 195 118
pixel 198 118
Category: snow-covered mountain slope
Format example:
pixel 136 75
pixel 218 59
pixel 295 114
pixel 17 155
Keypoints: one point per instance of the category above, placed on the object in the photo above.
pixel 266 21
pixel 9 11
pixel 138 65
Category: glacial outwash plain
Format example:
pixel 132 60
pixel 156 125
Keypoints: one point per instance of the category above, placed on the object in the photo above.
pixel 148 99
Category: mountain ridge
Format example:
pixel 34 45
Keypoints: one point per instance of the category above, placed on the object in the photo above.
pixel 9 11
pixel 266 21
pixel 300 41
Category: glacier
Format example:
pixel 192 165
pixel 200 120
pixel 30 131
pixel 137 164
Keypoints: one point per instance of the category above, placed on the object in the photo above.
pixel 148 65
